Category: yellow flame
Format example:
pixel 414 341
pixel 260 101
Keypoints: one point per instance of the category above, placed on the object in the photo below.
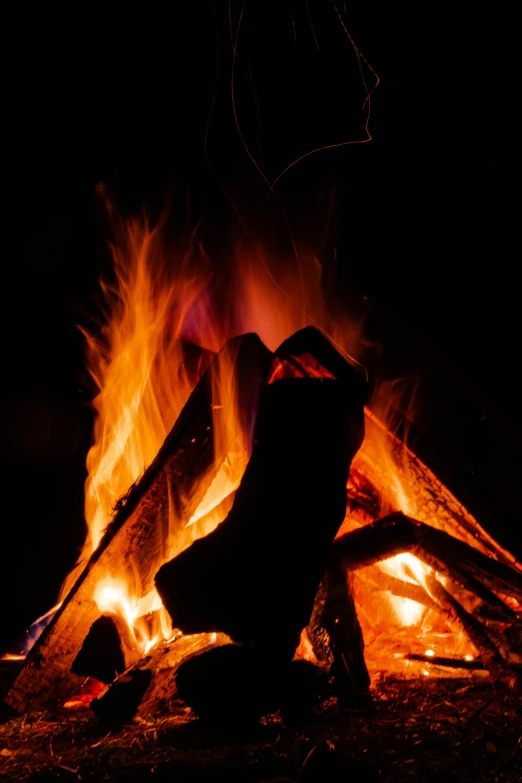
pixel 159 298
pixel 138 365
pixel 410 569
pixel 112 596
pixel 407 612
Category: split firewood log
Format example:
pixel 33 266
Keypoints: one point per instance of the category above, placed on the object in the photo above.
pixel 460 564
pixel 336 636
pixel 398 533
pixel 101 655
pixel 256 576
pixel 148 688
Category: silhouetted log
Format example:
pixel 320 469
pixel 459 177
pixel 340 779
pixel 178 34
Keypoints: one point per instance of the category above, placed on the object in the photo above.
pixel 235 683
pixel 256 576
pixel 101 654
pixel 159 504
pixel 335 633
pixel 469 624
pixel 398 533
pixel 149 687
pixel 496 645
pixel 451 663
pixel 491 605
pixel 459 563
pixel 120 702
pixel 309 354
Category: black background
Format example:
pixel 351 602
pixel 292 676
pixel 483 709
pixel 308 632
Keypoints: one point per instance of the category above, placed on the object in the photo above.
pixel 425 221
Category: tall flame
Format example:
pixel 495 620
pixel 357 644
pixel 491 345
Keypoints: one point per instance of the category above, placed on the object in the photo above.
pixel 159 301
pixel 138 364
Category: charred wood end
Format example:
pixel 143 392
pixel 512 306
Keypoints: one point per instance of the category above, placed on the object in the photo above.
pixel 452 663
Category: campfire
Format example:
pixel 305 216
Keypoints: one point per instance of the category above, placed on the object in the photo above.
pixel 250 510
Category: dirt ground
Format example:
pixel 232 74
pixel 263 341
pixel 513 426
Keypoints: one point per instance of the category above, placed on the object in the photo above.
pixel 426 730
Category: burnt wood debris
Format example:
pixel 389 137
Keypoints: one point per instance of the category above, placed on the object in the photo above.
pixel 273 566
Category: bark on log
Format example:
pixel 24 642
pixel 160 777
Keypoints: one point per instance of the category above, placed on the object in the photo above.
pixel 309 354
pixel 459 563
pixel 398 587
pixel 161 502
pixel 469 624
pixel 149 687
pixel 373 491
pixel 334 631
pixel 451 663
pixel 398 533
pixel 256 576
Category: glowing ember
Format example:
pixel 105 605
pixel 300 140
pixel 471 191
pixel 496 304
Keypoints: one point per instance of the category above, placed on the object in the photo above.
pixel 90 689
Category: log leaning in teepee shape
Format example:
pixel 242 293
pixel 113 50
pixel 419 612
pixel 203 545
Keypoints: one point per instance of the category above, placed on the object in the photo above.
pixel 255 577
pixel 172 486
pixel 398 533
pixel 458 563
pixel 335 634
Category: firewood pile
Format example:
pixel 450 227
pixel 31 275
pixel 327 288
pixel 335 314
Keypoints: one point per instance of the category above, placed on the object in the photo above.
pixel 280 567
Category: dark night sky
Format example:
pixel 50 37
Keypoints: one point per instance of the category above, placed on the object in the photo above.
pixel 426 221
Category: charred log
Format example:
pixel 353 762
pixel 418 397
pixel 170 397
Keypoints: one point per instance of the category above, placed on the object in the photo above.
pixel 235 683
pixel 336 636
pixel 398 533
pixel 148 687
pixel 472 627
pixel 458 562
pixel 256 576
pixel 120 702
pixel 101 655
pixel 450 663
pixel 308 354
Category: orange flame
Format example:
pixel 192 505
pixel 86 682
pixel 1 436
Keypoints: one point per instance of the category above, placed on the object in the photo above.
pixel 138 365
pixel 139 361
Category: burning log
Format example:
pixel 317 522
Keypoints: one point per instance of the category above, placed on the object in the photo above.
pixel 163 500
pixel 451 663
pixel 149 687
pixel 234 684
pixel 454 559
pixel 336 636
pixel 398 533
pixel 402 589
pixel 470 625
pixel 256 576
